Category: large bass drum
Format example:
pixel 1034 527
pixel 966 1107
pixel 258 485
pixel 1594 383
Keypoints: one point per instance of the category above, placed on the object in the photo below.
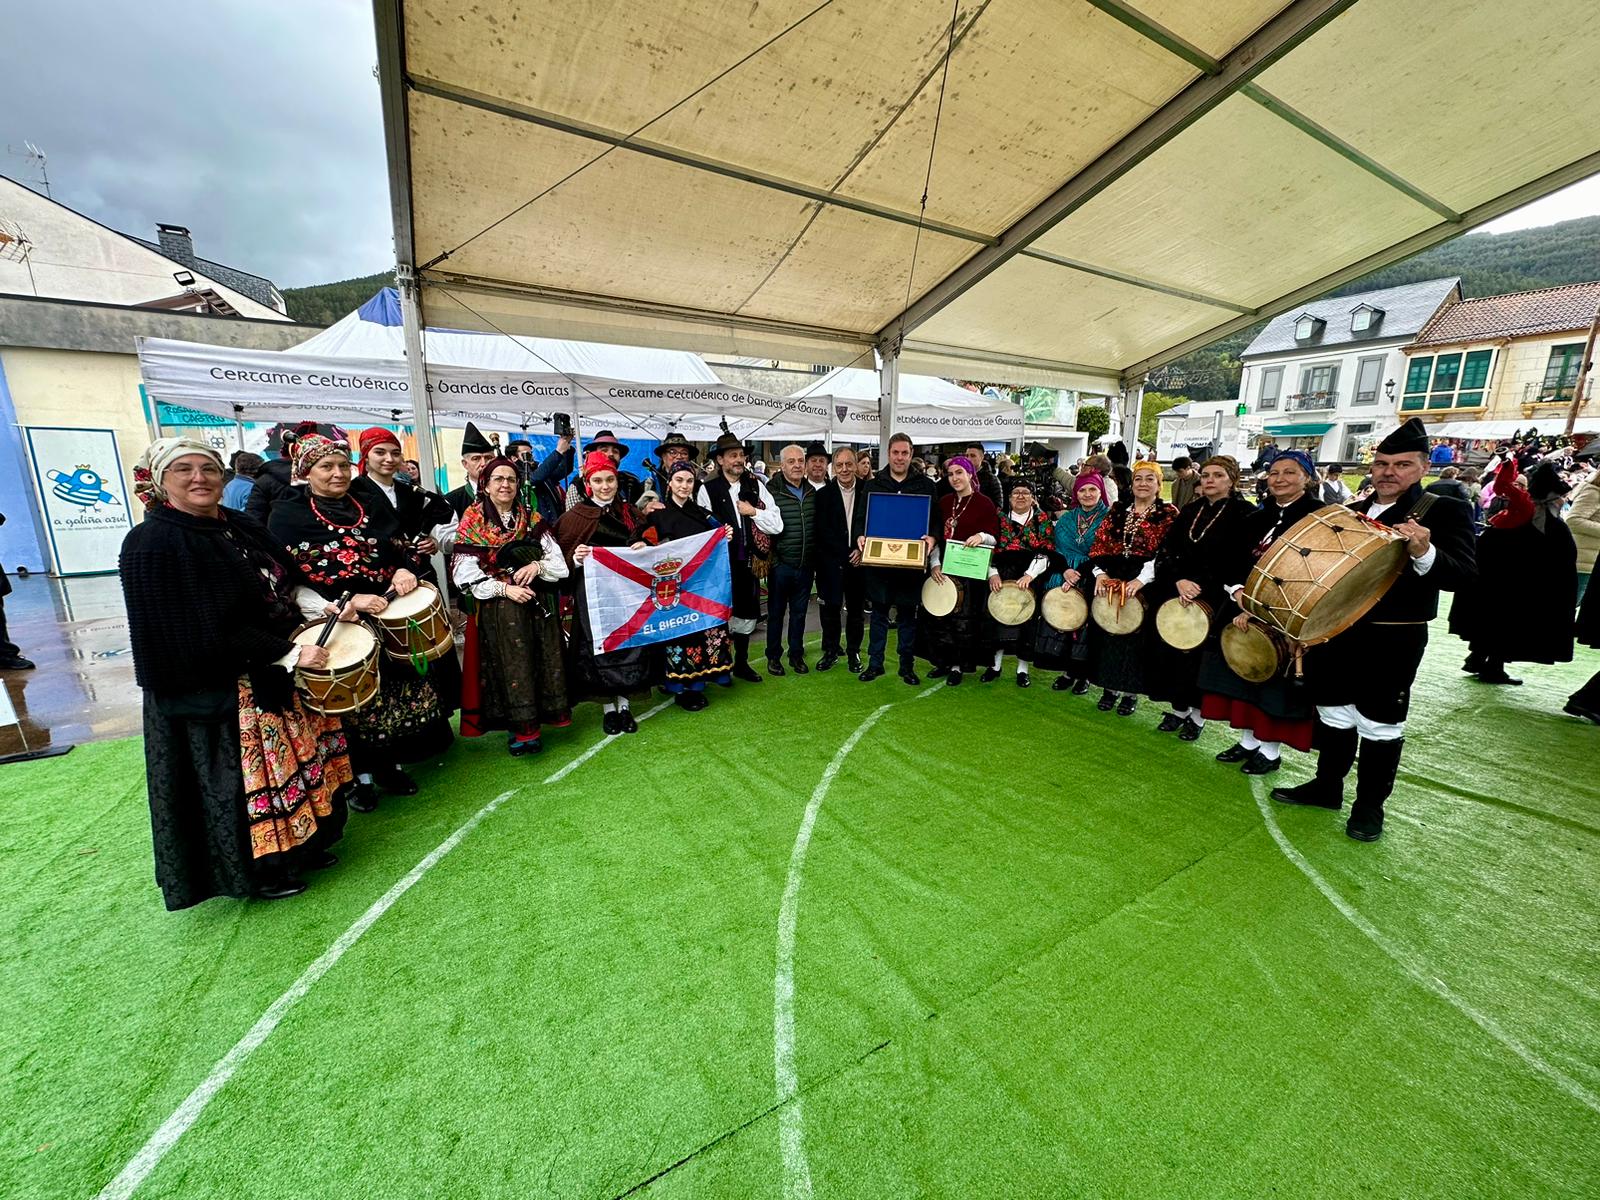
pixel 1323 574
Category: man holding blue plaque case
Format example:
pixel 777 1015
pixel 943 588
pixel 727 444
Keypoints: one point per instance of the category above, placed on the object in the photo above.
pixel 897 587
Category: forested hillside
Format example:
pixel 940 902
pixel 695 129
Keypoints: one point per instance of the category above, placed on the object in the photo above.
pixel 325 303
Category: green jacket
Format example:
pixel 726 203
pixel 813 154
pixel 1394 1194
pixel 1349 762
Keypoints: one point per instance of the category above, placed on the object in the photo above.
pixel 796 545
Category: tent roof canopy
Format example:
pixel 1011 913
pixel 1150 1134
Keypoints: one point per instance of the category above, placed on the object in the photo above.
pixel 1113 182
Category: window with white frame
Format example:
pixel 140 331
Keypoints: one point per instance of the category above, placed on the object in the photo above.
pixel 1319 386
pixel 1453 380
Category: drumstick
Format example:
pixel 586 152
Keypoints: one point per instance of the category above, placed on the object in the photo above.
pixel 333 619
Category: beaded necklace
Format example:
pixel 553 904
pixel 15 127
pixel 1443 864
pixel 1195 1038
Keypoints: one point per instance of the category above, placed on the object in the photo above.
pixel 1132 520
pixel 956 509
pixel 1196 535
pixel 361 514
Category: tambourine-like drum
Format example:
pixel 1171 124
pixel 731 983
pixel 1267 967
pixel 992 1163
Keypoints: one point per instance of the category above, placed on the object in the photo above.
pixel 1256 653
pixel 416 623
pixel 350 680
pixel 1117 614
pixel 1323 574
pixel 1183 626
pixel 1012 605
pixel 1067 611
pixel 940 599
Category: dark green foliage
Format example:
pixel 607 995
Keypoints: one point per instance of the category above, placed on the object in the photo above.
pixel 1093 421
pixel 325 303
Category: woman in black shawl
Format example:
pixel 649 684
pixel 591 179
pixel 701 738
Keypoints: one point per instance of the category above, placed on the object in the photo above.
pixel 602 518
pixel 338 545
pixel 507 565
pixel 246 786
pixel 705 653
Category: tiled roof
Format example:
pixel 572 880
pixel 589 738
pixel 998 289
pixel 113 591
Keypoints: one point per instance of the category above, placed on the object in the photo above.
pixel 257 287
pixel 1406 310
pixel 1564 309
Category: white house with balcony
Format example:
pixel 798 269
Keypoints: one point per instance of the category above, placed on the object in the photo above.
pixel 1323 378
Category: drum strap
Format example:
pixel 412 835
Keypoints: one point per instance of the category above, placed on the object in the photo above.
pixel 417 643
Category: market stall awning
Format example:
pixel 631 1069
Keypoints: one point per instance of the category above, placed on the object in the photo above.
pixel 748 179
pixel 1302 429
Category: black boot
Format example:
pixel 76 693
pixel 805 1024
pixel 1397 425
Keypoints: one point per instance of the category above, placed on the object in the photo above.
pixel 1375 772
pixel 1336 751
pixel 741 659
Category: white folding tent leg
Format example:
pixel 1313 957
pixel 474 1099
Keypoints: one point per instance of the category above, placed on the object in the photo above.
pixel 1136 396
pixel 417 376
pixel 888 398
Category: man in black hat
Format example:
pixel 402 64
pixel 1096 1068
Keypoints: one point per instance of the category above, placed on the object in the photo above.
pixel 816 466
pixel 738 499
pixel 670 451
pixel 628 485
pixel 476 451
pixel 1361 680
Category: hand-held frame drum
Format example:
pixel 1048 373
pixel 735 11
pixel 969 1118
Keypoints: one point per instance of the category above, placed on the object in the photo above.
pixel 1116 611
pixel 1067 610
pixel 1257 653
pixel 1323 574
pixel 1012 605
pixel 941 599
pixel 1183 625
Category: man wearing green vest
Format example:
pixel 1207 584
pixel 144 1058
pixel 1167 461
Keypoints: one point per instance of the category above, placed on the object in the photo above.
pixel 793 560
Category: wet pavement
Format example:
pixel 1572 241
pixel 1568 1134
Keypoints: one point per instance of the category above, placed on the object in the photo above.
pixel 82 689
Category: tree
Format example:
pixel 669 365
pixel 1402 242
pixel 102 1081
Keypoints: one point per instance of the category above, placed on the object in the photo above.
pixel 1093 421
pixel 1155 403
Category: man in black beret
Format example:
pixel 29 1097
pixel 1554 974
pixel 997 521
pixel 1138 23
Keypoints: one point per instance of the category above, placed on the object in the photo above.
pixel 1361 680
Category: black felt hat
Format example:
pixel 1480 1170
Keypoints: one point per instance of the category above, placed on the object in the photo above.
pixel 1412 437
pixel 474 442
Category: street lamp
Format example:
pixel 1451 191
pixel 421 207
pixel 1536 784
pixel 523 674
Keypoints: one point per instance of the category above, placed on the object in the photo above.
pixel 1388 390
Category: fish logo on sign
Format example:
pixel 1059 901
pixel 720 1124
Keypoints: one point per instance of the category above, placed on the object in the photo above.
pixel 84 487
pixel 668 580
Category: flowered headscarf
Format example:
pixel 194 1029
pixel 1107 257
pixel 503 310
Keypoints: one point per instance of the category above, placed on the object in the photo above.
pixel 153 464
pixel 312 449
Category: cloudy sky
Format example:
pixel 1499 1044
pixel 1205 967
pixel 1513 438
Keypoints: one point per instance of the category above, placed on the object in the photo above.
pixel 255 124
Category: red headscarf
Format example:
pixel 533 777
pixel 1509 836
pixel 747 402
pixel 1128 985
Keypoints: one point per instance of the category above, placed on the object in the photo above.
pixel 375 437
pixel 594 462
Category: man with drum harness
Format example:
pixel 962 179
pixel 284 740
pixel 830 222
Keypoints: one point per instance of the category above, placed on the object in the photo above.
pixel 1024 556
pixel 1361 680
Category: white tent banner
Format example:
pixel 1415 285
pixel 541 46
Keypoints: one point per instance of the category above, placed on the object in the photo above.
pixel 857 421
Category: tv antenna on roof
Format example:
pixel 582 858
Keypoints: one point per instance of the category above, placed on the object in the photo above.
pixel 36 156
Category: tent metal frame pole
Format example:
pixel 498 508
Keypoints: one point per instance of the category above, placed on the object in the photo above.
pixel 238 424
pixel 888 398
pixel 1290 28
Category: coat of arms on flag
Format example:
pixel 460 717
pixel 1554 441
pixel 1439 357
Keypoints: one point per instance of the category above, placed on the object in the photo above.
pixel 639 597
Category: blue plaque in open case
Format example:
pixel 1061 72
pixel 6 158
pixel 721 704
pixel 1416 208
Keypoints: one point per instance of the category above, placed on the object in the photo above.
pixel 896 524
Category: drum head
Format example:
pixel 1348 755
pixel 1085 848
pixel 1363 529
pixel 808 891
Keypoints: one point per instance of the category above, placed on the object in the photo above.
pixel 940 597
pixel 349 645
pixel 1183 626
pixel 1066 611
pixel 1354 593
pixel 1252 652
pixel 1323 574
pixel 1117 618
pixel 414 603
pixel 1012 605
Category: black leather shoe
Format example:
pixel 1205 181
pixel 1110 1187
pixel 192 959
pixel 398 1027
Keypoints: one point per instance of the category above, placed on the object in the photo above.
pixel 1190 732
pixel 685 701
pixel 280 889
pixel 825 663
pixel 1061 683
pixel 746 672
pixel 1023 679
pixel 1311 793
pixel 1170 723
pixel 989 675
pixel 870 674
pixel 1127 705
pixel 938 672
pixel 1234 753
pixel 951 679
pixel 700 701
pixel 626 723
pixel 1259 764
pixel 317 860
pixel 610 724
pixel 798 666
pixel 1107 701
pixel 910 677
pixel 855 664
pixel 1362 833
pixel 363 799
pixel 1499 677
pixel 1080 688
pixel 1573 708
pixel 26 664
pixel 774 667
pixel 1473 665
pixel 394 781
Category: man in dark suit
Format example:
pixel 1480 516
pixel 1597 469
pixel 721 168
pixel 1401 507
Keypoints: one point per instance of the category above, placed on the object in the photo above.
pixel 1361 680
pixel 897 587
pixel 841 516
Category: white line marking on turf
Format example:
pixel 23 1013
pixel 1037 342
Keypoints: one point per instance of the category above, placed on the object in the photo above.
pixel 791 1119
pixel 1416 968
pixel 174 1127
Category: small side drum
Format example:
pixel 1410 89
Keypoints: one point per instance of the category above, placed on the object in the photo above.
pixel 350 680
pixel 1118 615
pixel 416 624
pixel 1256 653
pixel 1067 611
pixel 1183 626
pixel 1012 605
pixel 940 598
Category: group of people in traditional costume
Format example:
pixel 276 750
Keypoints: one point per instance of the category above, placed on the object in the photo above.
pixel 249 786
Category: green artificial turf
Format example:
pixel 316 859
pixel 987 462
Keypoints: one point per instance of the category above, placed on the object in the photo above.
pixel 1041 951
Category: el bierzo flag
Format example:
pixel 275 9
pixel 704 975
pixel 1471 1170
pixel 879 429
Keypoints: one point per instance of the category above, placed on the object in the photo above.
pixel 640 597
